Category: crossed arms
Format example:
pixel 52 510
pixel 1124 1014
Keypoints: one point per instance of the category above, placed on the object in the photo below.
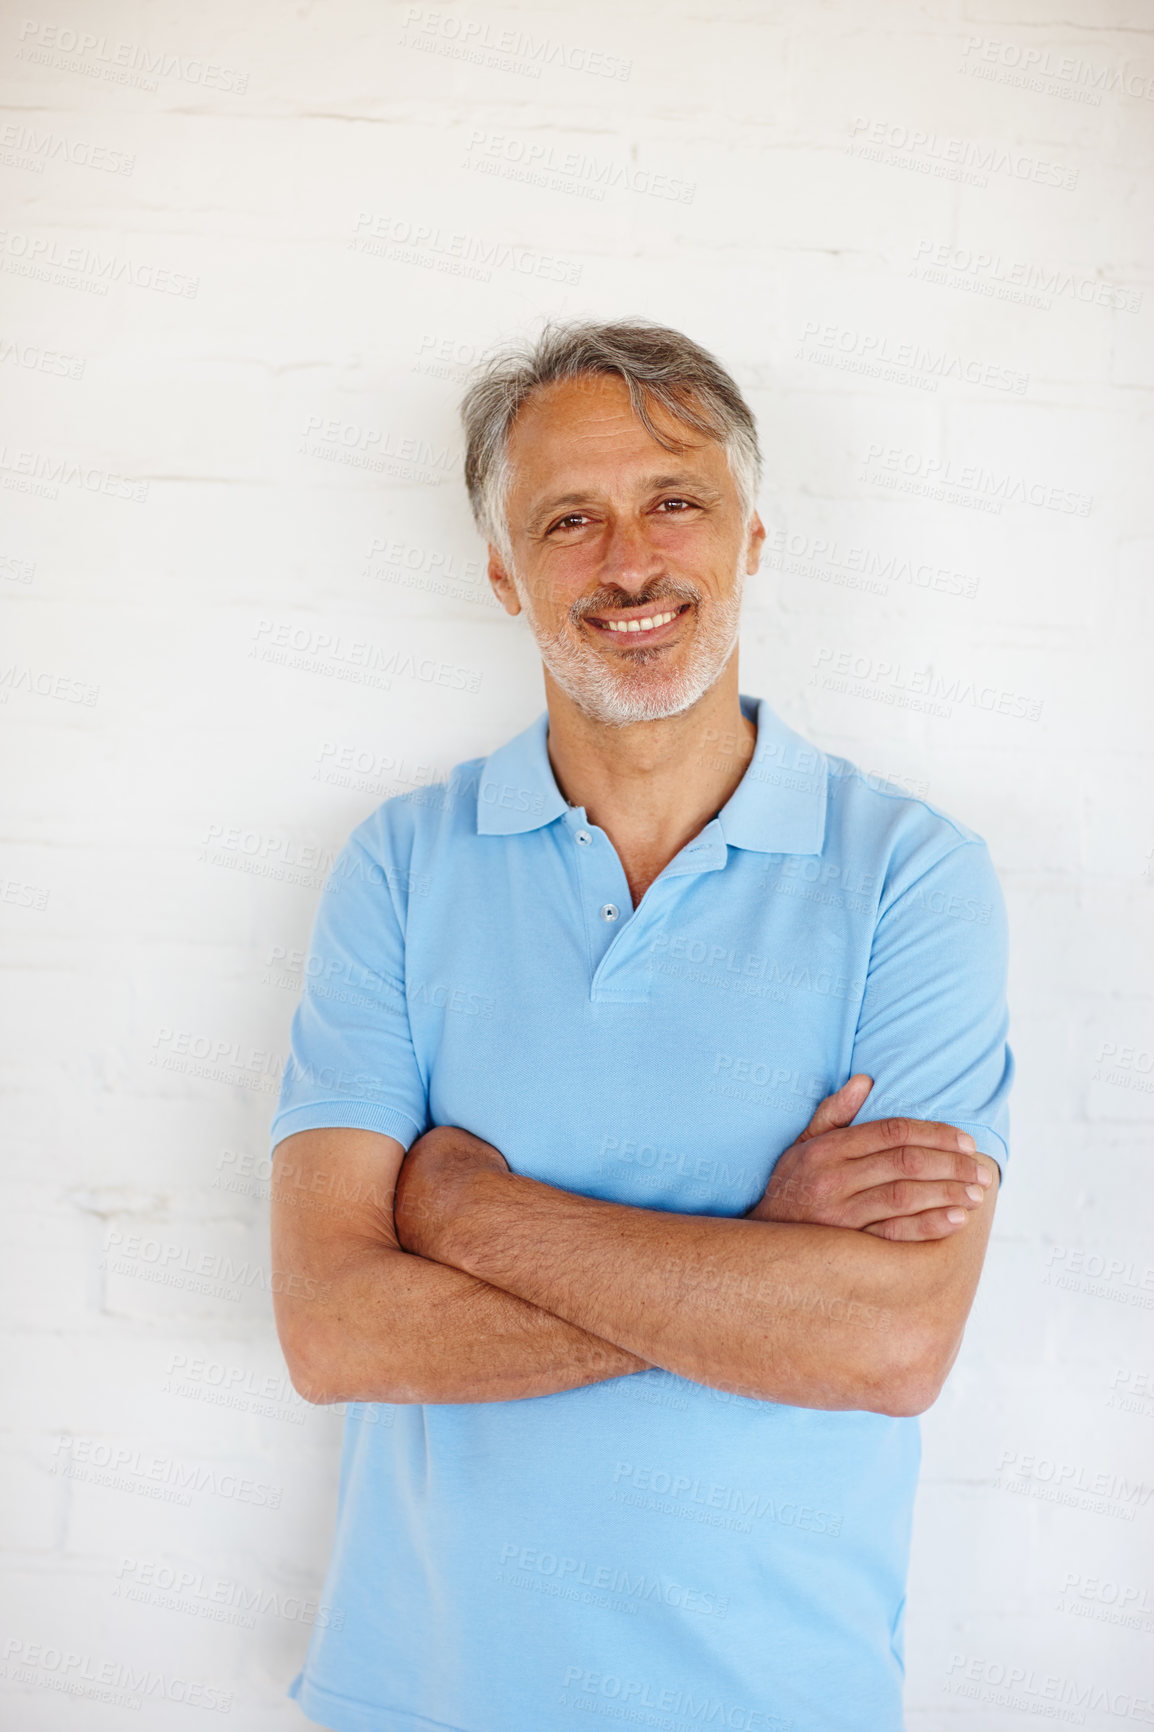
pixel 440 1276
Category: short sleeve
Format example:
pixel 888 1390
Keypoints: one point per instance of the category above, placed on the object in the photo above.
pixel 934 1020
pixel 351 1061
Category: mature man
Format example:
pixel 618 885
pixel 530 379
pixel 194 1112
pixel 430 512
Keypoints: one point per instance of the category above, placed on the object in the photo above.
pixel 633 1337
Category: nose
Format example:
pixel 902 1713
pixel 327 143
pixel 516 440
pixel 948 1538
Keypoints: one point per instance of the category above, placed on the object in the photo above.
pixel 630 561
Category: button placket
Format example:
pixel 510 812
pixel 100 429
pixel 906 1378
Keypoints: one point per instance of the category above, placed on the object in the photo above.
pixel 615 929
pixel 602 888
pixel 622 958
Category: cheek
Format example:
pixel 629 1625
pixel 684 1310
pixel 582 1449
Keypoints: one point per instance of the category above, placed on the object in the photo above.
pixel 553 592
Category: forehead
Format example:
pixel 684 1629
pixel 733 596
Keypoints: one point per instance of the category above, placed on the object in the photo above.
pixel 579 429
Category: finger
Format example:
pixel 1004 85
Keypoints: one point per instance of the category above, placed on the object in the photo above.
pixel 931 1224
pixel 908 1197
pixel 880 1134
pixel 838 1108
pixel 911 1161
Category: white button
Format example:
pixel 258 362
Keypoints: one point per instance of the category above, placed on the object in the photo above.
pixel 610 911
pixel 584 837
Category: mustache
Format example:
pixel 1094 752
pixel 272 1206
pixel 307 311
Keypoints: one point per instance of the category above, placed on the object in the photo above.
pixel 613 599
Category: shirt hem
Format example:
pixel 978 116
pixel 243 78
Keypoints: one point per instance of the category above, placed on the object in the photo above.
pixel 347 1714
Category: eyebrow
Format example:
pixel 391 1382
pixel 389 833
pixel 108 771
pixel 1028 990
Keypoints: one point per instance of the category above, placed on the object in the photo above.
pixel 649 484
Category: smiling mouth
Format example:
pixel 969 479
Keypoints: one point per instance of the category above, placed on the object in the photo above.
pixel 644 626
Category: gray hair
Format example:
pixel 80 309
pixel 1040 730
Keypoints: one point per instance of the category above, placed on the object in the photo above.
pixel 656 363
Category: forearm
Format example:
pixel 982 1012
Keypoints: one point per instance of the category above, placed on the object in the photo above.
pixel 362 1320
pixel 397 1328
pixel 811 1316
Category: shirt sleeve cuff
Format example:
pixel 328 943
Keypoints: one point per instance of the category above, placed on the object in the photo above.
pixel 345 1115
pixel 988 1141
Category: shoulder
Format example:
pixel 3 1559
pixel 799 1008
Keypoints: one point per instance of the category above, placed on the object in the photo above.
pixel 409 825
pixel 903 836
pixel 391 854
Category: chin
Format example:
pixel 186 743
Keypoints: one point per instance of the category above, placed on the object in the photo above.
pixel 645 688
pixel 619 703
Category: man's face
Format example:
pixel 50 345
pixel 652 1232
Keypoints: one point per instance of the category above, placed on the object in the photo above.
pixel 627 558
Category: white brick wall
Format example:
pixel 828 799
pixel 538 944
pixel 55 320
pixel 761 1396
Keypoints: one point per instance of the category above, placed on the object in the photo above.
pixel 212 305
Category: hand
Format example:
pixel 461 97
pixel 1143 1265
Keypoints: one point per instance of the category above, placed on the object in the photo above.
pixel 432 1182
pixel 896 1178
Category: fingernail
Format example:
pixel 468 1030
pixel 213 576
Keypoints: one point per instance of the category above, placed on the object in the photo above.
pixel 966 1143
pixel 957 1216
pixel 985 1178
pixel 975 1193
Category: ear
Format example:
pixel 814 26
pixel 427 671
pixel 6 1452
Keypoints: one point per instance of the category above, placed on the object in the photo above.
pixel 502 583
pixel 754 545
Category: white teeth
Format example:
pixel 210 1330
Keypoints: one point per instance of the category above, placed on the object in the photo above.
pixel 641 624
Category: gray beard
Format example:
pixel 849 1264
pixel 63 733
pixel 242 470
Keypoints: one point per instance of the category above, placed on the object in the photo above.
pixel 618 692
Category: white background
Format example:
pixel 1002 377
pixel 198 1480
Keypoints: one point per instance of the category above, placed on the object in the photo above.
pixel 236 548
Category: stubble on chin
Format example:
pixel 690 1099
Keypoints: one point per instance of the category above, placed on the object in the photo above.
pixel 617 690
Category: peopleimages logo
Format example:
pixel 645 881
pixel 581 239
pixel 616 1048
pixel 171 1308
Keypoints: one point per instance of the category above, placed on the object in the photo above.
pixel 906 362
pixel 574 171
pixel 400 241
pixel 959 159
pixel 1073 77
pixel 119 1683
pixel 726 1499
pixel 221 1599
pixel 1072 1484
pixel 121 1467
pixel 78 267
pixel 1030 1691
pixel 438 31
pixel 24 147
pixel 1022 281
pixel 355 659
pixel 520 1561
pixel 45 472
pixel 595 1691
pixel 96 56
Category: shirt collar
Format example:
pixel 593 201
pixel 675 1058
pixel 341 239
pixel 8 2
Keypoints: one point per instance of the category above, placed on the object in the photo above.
pixel 517 790
pixel 778 806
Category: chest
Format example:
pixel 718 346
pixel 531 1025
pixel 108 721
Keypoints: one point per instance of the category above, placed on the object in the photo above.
pixel 664 1055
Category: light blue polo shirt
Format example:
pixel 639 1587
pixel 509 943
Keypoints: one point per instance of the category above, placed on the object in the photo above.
pixel 647 1550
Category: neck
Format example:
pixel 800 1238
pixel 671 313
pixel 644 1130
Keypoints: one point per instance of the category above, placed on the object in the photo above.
pixel 651 786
